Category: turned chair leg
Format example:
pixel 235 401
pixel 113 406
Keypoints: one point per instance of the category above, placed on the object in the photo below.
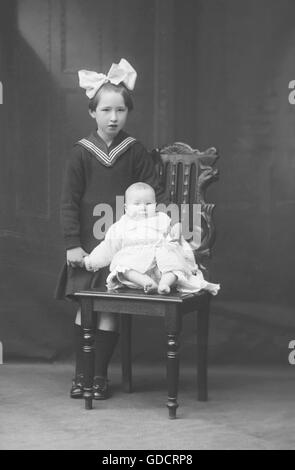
pixel 126 352
pixel 173 321
pixel 202 348
pixel 172 374
pixel 88 323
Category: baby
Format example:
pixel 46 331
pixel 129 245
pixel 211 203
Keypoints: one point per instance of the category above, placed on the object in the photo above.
pixel 144 251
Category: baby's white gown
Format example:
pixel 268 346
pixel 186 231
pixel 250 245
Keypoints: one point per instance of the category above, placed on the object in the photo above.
pixel 148 246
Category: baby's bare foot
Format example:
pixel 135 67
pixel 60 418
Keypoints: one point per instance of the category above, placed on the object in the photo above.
pixel 150 286
pixel 164 289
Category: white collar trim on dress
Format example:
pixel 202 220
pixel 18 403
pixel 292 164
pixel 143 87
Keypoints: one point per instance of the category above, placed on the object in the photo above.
pixel 108 160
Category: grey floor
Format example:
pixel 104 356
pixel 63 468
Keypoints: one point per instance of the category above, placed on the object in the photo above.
pixel 249 408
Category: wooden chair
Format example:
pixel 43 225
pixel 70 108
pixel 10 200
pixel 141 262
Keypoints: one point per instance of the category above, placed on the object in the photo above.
pixel 186 174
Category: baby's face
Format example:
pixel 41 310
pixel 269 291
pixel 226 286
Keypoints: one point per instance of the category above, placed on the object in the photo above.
pixel 140 203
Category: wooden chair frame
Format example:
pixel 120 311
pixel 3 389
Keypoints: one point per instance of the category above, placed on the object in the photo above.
pixel 186 173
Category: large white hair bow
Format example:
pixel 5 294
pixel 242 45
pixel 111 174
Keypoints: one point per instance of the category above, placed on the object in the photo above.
pixel 122 72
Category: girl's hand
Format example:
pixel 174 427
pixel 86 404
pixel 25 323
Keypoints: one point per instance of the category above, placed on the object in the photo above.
pixel 75 257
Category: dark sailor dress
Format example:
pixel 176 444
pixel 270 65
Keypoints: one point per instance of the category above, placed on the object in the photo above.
pixel 96 174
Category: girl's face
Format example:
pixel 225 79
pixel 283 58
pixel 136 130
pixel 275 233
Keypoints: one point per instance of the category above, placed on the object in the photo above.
pixel 110 115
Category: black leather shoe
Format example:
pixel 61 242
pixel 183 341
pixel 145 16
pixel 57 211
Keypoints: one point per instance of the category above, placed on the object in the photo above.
pixel 77 386
pixel 100 388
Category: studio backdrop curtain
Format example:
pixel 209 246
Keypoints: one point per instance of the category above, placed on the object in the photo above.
pixel 210 73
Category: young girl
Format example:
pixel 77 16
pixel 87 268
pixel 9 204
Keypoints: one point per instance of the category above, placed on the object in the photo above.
pixel 100 168
pixel 144 251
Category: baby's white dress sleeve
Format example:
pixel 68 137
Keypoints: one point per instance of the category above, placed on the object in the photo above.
pixel 103 254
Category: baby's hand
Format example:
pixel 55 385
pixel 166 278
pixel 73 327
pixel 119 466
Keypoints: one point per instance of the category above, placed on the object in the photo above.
pixel 75 257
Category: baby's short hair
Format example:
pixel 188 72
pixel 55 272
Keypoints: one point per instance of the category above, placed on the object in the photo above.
pixel 139 186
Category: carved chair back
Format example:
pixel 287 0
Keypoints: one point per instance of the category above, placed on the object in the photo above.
pixel 186 173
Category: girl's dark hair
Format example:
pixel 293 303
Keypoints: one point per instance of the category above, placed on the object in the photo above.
pixel 111 87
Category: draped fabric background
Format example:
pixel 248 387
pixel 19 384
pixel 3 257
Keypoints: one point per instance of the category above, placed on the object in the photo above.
pixel 211 73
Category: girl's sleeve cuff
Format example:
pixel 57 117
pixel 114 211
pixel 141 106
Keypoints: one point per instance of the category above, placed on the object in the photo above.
pixel 72 242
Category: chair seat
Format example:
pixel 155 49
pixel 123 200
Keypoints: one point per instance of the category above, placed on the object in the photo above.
pixel 137 294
